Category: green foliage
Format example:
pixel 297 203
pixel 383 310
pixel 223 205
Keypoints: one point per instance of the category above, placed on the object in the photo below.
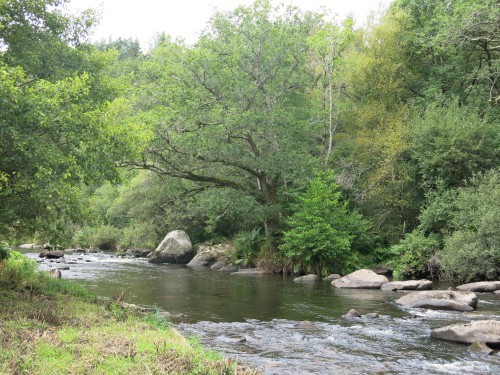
pixel 62 122
pixel 416 256
pixel 231 112
pixel 102 237
pixel 322 229
pixel 449 143
pixel 247 246
pixel 20 272
pixel 472 250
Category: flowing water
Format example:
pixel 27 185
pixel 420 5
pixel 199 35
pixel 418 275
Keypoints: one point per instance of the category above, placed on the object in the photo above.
pixel 260 320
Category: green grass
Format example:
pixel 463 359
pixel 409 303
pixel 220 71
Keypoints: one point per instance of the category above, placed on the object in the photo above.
pixel 50 326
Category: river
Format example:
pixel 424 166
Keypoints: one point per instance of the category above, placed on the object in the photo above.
pixel 257 320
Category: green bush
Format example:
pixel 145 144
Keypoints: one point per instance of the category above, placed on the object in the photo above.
pixel 247 246
pixel 416 256
pixel 104 237
pixel 467 257
pixel 322 230
pixel 472 250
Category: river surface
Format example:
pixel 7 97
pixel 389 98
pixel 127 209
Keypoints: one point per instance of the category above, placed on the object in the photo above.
pixel 258 320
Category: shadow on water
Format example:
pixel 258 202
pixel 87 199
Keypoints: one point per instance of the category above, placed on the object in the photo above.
pixel 256 319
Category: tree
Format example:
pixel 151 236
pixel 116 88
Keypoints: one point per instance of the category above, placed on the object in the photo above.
pixel 328 46
pixel 322 229
pixel 450 143
pixel 232 111
pixel 472 250
pixel 59 128
pixel 454 49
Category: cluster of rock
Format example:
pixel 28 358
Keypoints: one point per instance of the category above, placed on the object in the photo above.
pixel 177 248
pixel 483 334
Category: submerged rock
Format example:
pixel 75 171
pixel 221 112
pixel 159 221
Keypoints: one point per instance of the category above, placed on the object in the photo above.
pixel 408 285
pixel 249 271
pixel 481 348
pixel 333 276
pixel 440 300
pixel 372 315
pixel 487 331
pixel 230 268
pixel 175 248
pixel 352 313
pixel 218 265
pixel 306 324
pixel 361 279
pixel 481 286
pixel 306 279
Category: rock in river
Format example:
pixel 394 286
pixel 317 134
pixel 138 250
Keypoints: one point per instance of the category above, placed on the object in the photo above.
pixel 207 254
pixel 306 279
pixel 175 248
pixel 487 331
pixel 51 254
pixel 481 286
pixel 407 285
pixel 352 313
pixel 333 276
pixel 440 300
pixel 361 279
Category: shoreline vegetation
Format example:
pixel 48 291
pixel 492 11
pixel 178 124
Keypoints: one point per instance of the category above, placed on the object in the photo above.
pixel 53 326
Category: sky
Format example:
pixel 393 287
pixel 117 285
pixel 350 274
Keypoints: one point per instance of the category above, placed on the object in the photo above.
pixel 186 19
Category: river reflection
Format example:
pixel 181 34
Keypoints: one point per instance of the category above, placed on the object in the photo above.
pixel 255 319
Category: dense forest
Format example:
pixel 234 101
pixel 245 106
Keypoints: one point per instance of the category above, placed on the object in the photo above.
pixel 312 145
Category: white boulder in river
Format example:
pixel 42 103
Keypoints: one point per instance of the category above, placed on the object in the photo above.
pixel 440 300
pixel 487 331
pixel 361 279
pixel 481 286
pixel 176 247
pixel 408 285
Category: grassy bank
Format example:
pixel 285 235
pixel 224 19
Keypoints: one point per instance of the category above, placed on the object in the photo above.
pixel 51 326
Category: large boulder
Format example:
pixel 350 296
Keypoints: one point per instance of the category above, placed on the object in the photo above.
pixel 208 254
pixel 407 285
pixel 440 300
pixel 481 286
pixel 361 279
pixel 175 248
pixel 487 331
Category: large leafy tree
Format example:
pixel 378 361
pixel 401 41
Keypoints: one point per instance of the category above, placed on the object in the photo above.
pixel 61 125
pixel 232 111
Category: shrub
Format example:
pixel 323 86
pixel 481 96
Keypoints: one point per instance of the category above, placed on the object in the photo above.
pixel 247 246
pixel 322 229
pixel 416 255
pixel 472 251
pixel 467 257
pixel 104 237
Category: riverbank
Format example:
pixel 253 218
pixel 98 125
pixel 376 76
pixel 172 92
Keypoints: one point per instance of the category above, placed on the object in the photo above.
pixel 52 326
